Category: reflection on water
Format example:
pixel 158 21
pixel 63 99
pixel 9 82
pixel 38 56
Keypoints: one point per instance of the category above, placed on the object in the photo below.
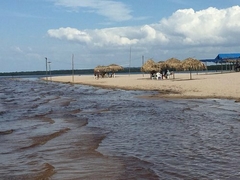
pixel 64 131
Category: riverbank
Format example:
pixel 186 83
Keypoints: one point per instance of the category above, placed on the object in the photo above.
pixel 202 85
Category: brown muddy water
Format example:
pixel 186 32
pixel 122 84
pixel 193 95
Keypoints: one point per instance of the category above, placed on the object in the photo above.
pixel 63 131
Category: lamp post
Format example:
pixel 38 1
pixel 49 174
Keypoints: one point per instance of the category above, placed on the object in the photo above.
pixel 46 69
pixel 143 63
pixel 72 68
pixel 130 57
pixel 49 67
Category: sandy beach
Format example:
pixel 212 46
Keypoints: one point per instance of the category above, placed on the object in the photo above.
pixel 202 85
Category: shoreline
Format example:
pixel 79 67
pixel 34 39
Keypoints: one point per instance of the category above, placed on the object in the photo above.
pixel 201 86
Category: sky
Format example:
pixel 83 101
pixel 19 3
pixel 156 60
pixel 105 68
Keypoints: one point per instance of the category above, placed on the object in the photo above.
pixel 123 32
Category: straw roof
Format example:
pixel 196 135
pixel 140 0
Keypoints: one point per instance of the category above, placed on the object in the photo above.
pixel 193 64
pixel 101 68
pixel 162 65
pixel 149 66
pixel 114 67
pixel 174 63
pixel 111 67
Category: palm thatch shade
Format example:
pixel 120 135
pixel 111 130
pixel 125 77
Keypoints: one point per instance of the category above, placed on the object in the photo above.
pixel 114 67
pixel 101 68
pixel 149 66
pixel 162 65
pixel 174 63
pixel 193 64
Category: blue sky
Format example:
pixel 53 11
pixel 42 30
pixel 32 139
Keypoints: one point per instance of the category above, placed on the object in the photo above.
pixel 101 32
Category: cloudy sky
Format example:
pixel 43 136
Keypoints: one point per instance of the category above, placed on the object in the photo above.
pixel 101 32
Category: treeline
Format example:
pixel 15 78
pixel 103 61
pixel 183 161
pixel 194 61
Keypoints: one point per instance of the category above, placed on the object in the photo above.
pixel 63 72
pixel 220 67
pixel 90 71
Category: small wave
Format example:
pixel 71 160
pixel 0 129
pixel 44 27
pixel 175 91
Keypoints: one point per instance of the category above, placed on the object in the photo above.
pixel 75 111
pixel 41 140
pixel 6 132
pixel 138 169
pixel 3 112
pixel 43 118
pixel 44 172
pixel 47 171
pixel 79 121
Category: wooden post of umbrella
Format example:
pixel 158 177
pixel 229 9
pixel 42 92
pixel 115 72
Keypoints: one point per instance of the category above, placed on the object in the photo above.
pixel 206 68
pixel 190 69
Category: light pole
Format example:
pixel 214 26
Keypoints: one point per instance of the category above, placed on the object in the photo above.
pixel 49 64
pixel 73 68
pixel 130 57
pixel 46 69
pixel 143 63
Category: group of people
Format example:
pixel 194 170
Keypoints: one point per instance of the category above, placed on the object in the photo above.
pixel 161 75
pixel 98 73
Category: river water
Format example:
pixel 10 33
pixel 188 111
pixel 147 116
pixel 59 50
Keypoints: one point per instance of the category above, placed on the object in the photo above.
pixel 63 131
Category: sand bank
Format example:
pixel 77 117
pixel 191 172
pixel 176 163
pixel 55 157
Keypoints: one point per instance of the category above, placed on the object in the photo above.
pixel 202 85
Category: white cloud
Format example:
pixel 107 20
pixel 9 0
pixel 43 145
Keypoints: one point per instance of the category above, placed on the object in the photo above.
pixel 209 26
pixel 113 10
pixel 71 34
pixel 111 36
pixel 185 31
pixel 27 53
pixel 17 49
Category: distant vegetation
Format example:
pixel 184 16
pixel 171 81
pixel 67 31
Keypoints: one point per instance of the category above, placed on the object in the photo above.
pixel 64 72
pixel 89 71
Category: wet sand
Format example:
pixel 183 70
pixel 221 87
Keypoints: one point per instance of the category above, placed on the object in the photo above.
pixel 202 85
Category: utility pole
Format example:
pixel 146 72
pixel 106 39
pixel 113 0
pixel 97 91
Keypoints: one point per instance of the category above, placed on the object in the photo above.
pixel 46 68
pixel 143 63
pixel 49 64
pixel 73 68
pixel 130 57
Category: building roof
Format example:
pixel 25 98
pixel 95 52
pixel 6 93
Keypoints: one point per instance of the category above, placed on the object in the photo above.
pixel 223 58
pixel 228 56
pixel 208 60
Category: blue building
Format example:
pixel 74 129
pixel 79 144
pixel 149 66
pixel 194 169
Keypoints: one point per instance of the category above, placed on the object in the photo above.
pixel 223 58
pixel 231 59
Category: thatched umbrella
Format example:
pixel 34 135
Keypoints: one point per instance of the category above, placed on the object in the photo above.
pixel 114 67
pixel 162 65
pixel 175 64
pixel 150 66
pixel 192 64
pixel 100 68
